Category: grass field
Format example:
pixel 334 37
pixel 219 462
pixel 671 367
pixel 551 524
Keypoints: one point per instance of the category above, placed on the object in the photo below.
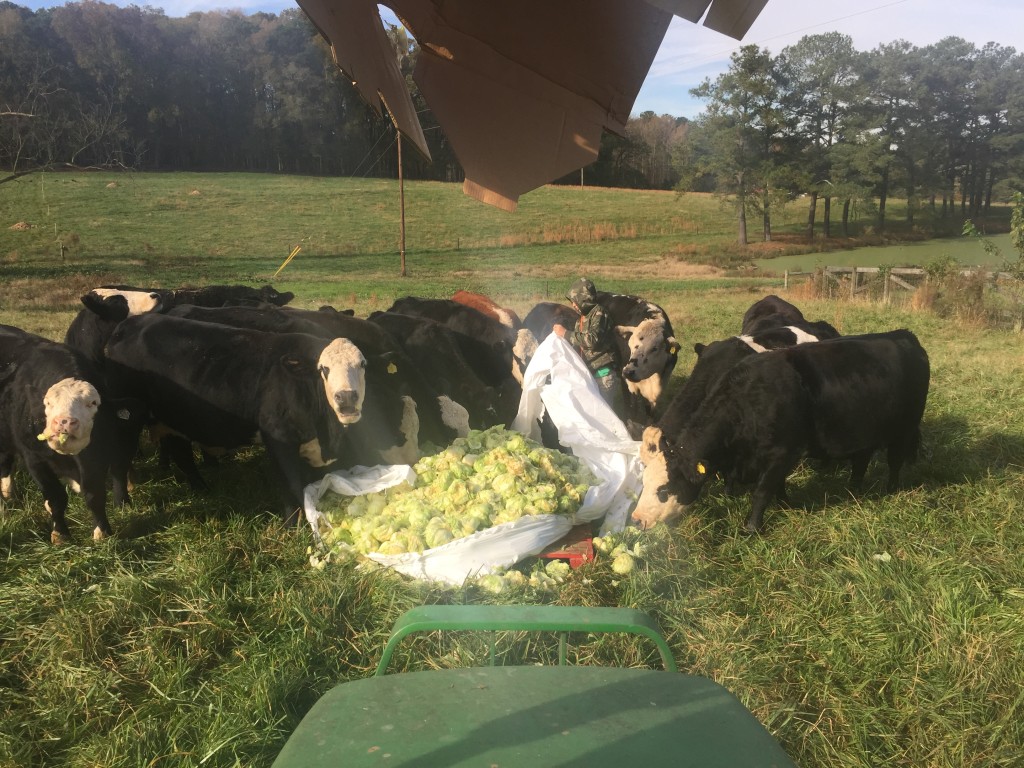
pixel 868 631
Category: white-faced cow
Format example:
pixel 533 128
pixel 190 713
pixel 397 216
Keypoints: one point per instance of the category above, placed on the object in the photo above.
pixel 53 417
pixel 650 352
pixel 840 399
pixel 222 386
pixel 647 348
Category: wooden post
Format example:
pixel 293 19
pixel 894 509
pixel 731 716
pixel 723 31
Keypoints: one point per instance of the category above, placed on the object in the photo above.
pixel 785 279
pixel 853 283
pixel 885 288
pixel 401 202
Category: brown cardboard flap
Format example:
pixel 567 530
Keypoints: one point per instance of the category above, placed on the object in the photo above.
pixel 523 90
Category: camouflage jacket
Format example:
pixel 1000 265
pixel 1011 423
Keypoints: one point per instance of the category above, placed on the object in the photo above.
pixel 594 338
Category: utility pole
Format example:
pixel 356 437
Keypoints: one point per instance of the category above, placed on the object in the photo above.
pixel 401 201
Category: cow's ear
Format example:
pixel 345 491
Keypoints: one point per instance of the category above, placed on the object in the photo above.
pixel 297 366
pixel 673 345
pixel 625 331
pixel 385 362
pixel 698 348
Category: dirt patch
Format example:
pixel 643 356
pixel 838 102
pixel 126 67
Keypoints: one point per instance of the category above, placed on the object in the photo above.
pixel 21 226
pixel 195 193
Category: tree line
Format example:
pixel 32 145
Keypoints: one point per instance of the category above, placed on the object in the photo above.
pixel 940 126
pixel 92 84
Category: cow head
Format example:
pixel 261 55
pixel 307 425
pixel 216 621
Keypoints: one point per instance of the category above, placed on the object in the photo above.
pixel 652 350
pixel 343 370
pixel 671 481
pixel 523 350
pixel 70 407
pixel 271 295
pixel 118 302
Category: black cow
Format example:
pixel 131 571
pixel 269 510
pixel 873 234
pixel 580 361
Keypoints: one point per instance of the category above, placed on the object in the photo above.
pixel 53 416
pixel 108 305
pixel 498 351
pixel 304 396
pixel 774 312
pixel 840 399
pixel 437 351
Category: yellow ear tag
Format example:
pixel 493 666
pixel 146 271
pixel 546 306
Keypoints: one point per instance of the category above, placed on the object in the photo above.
pixel 392 368
pixel 701 469
pixel 673 349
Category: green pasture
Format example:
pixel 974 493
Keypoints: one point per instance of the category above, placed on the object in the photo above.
pixel 862 631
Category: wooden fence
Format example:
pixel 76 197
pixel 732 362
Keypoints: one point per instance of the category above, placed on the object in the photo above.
pixel 851 281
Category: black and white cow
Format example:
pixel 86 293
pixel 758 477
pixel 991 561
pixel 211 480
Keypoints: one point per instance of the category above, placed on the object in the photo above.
pixel 53 416
pixel 438 352
pixel 647 348
pixel 774 312
pixel 651 349
pixel 838 399
pixel 304 396
pixel 499 349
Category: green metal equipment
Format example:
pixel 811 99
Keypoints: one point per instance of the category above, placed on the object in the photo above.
pixel 530 716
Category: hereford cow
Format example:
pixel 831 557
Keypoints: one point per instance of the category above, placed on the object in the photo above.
pixel 53 416
pixel 303 395
pixel 487 306
pixel 840 399
pixel 441 418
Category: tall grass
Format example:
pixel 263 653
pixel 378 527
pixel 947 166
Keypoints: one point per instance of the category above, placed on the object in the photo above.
pixel 862 631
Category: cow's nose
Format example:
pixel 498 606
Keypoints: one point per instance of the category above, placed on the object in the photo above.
pixel 66 424
pixel 345 400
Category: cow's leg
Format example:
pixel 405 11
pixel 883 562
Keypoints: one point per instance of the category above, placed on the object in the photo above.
pixel 858 468
pixel 55 498
pixel 6 473
pixel 179 450
pixel 94 492
pixel 770 485
pixel 896 455
pixel 288 463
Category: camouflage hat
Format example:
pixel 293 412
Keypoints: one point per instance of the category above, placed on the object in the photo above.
pixel 582 293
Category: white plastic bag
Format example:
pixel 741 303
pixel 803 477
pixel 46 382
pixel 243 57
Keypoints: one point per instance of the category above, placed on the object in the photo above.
pixel 558 381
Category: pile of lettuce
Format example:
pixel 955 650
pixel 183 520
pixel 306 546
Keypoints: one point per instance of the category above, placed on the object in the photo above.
pixel 487 478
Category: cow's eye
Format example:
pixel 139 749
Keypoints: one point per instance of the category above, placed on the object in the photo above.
pixel 324 371
pixel 662 495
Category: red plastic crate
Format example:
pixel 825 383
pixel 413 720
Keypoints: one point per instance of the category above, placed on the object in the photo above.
pixel 577 546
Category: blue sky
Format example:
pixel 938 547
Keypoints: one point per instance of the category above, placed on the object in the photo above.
pixel 691 53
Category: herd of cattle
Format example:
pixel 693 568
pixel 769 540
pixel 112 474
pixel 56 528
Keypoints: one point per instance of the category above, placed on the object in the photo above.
pixel 227 366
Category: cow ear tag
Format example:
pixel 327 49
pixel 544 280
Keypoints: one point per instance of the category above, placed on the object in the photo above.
pixel 673 349
pixel 701 469
pixel 392 368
